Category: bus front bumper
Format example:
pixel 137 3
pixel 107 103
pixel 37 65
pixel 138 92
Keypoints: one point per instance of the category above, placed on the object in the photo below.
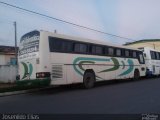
pixel 34 82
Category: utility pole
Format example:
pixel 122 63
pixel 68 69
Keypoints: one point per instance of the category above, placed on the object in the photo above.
pixel 154 46
pixel 16 51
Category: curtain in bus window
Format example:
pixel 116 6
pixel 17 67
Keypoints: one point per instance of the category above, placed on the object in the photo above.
pixel 99 50
pixel 118 52
pixel 141 59
pixel 110 51
pixel 80 48
pixel 153 56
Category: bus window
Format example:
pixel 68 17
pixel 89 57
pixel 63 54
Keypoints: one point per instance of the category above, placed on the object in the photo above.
pixel 141 58
pixel 157 55
pixel 93 49
pixel 60 45
pixel 134 54
pixel 29 43
pixel 99 50
pixel 126 53
pixel 67 46
pixel 80 48
pixel 118 52
pixel 110 51
pixel 153 56
pixel 106 50
pixel 55 44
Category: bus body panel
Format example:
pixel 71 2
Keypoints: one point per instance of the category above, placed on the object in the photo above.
pixel 74 67
pixel 44 54
pixel 152 64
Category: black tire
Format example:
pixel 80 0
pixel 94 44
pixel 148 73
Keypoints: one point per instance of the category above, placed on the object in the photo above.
pixel 136 75
pixel 89 80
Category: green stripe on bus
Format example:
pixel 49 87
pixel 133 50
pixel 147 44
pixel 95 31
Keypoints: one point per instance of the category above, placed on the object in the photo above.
pixel 116 66
pixel 25 69
pixel 30 69
pixel 123 64
pixel 87 60
pixel 130 69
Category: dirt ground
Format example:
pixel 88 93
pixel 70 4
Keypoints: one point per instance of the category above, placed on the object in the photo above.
pixel 7 85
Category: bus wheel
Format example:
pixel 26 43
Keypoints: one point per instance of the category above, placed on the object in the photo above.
pixel 136 74
pixel 88 80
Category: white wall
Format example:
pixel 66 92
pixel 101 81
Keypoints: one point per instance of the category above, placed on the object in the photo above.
pixel 8 73
pixel 2 60
pixel 5 59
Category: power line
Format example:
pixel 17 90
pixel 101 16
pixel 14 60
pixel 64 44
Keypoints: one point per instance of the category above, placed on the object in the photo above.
pixel 81 26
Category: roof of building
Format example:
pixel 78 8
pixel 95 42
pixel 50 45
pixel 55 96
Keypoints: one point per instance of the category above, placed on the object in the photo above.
pixel 143 41
pixel 7 49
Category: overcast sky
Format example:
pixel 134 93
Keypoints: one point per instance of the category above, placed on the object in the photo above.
pixel 135 19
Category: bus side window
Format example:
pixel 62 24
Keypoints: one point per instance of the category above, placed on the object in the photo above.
pixel 99 50
pixel 141 58
pixel 110 51
pixel 153 56
pixel 134 54
pixel 118 52
pixel 55 45
pixel 157 56
pixel 93 49
pixel 80 48
pixel 126 53
pixel 106 50
pixel 67 46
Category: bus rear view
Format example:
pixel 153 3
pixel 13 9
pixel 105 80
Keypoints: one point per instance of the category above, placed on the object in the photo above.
pixel 28 60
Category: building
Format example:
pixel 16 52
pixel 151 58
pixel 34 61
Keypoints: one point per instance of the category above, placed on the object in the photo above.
pixel 152 43
pixel 7 55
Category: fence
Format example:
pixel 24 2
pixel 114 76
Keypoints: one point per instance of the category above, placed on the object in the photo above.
pixel 8 73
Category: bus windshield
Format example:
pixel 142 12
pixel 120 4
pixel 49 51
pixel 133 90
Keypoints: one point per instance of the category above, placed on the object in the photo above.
pixel 29 43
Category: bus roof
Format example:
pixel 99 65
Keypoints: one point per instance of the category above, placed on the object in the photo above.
pixel 100 42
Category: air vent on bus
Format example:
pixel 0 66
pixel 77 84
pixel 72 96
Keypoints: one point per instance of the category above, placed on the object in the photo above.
pixel 57 71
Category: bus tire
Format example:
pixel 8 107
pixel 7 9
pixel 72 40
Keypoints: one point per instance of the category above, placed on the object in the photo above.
pixel 136 74
pixel 88 79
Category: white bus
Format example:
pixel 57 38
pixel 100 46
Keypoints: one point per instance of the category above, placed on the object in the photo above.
pixel 152 60
pixel 56 59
